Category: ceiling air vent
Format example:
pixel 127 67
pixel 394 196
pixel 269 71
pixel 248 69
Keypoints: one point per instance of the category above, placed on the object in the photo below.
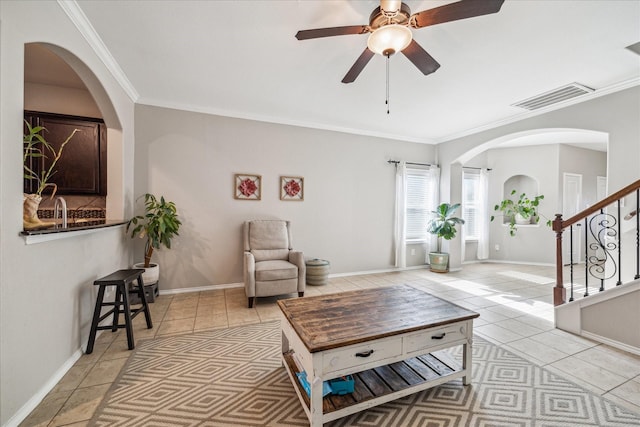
pixel 553 97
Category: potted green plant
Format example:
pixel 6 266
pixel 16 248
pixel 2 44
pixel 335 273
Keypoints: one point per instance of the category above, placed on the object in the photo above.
pixel 159 225
pixel 523 210
pixel 36 147
pixel 443 225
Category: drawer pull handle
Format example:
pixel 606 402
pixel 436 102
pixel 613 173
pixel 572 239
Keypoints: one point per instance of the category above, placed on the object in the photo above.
pixel 438 337
pixel 364 353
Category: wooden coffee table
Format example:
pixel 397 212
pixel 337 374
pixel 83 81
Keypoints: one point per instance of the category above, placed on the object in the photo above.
pixel 383 337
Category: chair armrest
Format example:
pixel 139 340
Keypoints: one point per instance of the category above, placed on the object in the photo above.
pixel 297 258
pixel 249 274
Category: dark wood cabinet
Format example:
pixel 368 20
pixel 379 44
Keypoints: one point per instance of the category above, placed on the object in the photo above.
pixel 82 168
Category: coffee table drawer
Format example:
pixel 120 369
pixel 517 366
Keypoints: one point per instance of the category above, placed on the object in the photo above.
pixel 361 354
pixel 428 339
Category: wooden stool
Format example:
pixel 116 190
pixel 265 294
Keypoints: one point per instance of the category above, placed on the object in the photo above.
pixel 120 279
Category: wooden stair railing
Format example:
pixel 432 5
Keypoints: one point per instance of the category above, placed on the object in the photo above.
pixel 606 235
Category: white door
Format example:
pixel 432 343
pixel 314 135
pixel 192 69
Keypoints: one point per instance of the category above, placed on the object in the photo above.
pixel 601 188
pixel 571 205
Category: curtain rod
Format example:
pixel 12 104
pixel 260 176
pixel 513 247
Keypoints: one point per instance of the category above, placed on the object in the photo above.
pixel 408 163
pixel 471 167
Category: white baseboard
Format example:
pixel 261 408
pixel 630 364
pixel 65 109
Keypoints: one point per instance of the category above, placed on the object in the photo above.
pixel 200 288
pixel 37 398
pixel 502 261
pixel 385 270
pixel 613 343
pixel 240 285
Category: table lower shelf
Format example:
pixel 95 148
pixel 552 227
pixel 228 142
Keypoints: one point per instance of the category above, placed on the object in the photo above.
pixel 390 380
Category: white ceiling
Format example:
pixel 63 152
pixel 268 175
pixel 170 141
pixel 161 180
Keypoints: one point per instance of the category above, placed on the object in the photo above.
pixel 241 59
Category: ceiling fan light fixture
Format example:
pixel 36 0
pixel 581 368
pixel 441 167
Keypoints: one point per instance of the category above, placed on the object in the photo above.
pixel 389 39
pixel 390 6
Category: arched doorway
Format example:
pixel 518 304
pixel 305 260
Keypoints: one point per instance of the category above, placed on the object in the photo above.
pixel 57 81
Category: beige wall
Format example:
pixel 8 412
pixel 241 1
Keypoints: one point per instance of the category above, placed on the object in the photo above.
pixel 60 100
pixel 616 114
pixel 534 243
pixel 46 292
pixel 346 216
pixel 616 319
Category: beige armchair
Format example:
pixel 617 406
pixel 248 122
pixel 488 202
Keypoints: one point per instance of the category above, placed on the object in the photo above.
pixel 271 267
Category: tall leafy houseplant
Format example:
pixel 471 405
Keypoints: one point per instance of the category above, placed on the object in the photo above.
pixel 35 146
pixel 159 225
pixel 443 225
pixel 522 210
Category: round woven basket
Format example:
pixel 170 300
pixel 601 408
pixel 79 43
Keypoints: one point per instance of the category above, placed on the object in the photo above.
pixel 317 272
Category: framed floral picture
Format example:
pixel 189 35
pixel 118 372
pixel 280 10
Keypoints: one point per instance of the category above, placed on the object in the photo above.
pixel 292 188
pixel 247 187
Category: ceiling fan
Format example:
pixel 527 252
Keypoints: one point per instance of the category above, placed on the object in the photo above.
pixel 390 33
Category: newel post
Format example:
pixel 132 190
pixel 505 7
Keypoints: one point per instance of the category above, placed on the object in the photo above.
pixel 559 292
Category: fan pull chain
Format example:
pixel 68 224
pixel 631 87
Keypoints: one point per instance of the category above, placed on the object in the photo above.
pixel 387 100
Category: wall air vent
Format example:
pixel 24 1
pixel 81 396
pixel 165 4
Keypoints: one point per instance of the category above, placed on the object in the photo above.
pixel 553 97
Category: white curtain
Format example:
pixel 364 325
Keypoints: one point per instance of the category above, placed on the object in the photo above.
pixel 400 230
pixel 483 215
pixel 434 196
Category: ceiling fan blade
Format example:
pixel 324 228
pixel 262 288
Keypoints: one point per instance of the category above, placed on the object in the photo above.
pixel 455 11
pixel 420 58
pixel 333 31
pixel 358 66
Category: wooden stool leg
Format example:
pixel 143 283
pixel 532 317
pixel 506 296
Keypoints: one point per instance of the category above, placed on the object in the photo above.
pixel 117 301
pixel 126 310
pixel 96 319
pixel 145 305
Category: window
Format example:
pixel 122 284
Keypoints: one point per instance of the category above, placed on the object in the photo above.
pixel 471 209
pixel 421 200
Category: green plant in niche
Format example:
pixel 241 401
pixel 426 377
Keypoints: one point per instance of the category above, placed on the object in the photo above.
pixel 159 225
pixel 523 206
pixel 443 224
pixel 35 146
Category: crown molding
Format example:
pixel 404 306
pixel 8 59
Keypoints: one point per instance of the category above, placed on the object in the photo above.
pixel 80 20
pixel 278 120
pixel 616 87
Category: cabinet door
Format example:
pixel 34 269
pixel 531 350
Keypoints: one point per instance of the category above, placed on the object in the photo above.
pixel 82 167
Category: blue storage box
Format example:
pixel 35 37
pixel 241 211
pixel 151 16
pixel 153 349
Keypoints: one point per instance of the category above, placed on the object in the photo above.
pixel 302 377
pixel 342 385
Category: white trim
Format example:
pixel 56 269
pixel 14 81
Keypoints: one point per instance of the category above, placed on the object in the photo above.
pixel 502 261
pixel 82 23
pixel 616 87
pixel 39 396
pixel 41 238
pixel 613 343
pixel 430 141
pixel 385 270
pixel 240 284
pixel 278 120
pixel 201 288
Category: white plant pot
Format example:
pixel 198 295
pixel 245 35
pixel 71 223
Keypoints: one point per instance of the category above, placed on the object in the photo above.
pixel 151 274
pixel 522 220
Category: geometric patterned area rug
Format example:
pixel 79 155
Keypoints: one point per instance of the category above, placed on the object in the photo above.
pixel 234 377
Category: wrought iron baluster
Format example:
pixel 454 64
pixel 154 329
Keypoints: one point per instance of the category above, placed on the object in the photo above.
pixel 586 259
pixel 619 282
pixel 637 276
pixel 571 261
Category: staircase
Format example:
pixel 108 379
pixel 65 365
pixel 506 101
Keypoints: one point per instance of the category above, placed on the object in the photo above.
pixel 603 283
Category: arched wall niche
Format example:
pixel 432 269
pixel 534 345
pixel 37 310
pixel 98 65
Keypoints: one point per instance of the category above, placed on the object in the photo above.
pixel 516 185
pixel 520 184
pixel 115 161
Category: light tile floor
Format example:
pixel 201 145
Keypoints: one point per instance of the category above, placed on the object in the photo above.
pixel 514 302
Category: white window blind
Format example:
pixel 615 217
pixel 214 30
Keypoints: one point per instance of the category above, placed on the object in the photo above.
pixel 421 200
pixel 471 209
